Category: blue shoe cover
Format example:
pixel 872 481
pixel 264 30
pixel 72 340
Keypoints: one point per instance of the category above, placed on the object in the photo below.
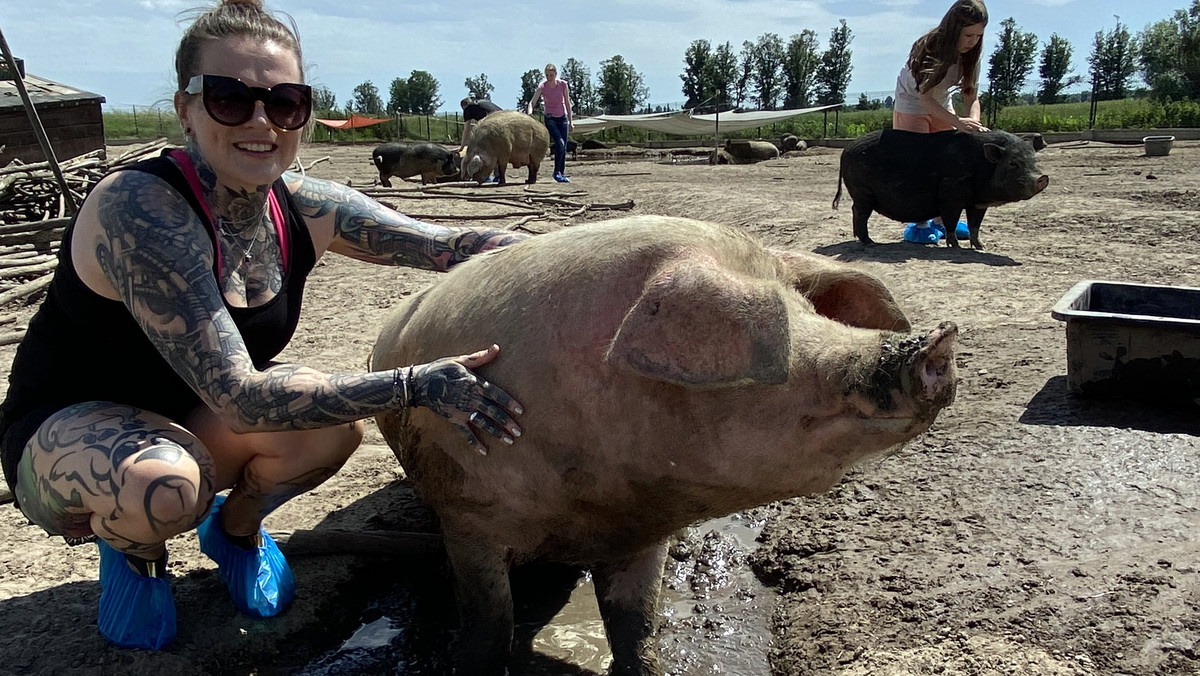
pixel 135 611
pixel 259 580
pixel 921 233
pixel 961 231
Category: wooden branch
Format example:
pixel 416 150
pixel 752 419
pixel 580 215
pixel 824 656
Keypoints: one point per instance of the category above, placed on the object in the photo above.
pixel 304 170
pixel 11 337
pixel 7 319
pixel 25 261
pixel 40 236
pixel 476 217
pixel 25 290
pixel 26 270
pixel 138 151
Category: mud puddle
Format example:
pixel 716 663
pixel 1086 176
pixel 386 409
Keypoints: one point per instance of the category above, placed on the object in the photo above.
pixel 714 616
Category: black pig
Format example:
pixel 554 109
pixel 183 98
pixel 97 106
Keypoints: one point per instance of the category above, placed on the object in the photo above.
pixel 402 160
pixel 909 176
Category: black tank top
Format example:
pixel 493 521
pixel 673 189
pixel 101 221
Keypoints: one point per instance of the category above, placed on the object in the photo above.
pixel 81 346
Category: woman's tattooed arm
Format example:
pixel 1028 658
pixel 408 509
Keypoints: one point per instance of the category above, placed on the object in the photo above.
pixel 155 253
pixel 367 230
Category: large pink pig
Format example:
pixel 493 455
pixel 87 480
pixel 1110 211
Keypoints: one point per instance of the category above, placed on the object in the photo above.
pixel 671 370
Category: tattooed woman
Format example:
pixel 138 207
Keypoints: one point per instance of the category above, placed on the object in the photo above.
pixel 145 384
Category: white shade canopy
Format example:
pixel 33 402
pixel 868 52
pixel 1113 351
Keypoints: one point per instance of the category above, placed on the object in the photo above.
pixel 684 123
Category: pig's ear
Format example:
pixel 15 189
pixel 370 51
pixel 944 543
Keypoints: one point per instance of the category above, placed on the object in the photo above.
pixel 993 152
pixel 698 325
pixel 841 292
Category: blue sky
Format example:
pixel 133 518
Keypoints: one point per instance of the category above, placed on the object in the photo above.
pixel 124 49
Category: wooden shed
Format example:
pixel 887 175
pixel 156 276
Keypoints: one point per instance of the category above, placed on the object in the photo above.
pixel 72 119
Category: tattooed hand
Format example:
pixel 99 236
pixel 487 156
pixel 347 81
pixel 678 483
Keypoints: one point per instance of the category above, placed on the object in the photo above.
pixel 496 239
pixel 449 388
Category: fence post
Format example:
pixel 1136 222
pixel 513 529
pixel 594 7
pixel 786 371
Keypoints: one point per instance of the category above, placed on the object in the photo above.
pixel 136 133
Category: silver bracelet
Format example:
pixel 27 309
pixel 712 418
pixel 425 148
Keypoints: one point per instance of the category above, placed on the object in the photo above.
pixel 400 386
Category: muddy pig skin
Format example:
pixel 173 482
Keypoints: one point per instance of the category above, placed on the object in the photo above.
pixel 503 138
pixel 403 160
pixel 912 177
pixel 671 371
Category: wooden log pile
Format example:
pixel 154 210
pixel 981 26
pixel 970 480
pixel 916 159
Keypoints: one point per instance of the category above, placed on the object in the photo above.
pixel 34 212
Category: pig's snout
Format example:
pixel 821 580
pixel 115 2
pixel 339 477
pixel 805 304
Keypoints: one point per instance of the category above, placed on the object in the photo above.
pixel 1041 183
pixel 934 377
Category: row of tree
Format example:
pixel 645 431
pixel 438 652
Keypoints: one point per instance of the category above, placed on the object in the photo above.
pixel 769 73
pixel 1166 55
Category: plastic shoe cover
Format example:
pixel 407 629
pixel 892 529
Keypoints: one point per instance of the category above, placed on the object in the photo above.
pixel 921 233
pixel 561 179
pixel 259 580
pixel 961 231
pixel 135 611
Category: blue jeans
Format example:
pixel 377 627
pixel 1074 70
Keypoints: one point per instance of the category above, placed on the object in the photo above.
pixel 557 126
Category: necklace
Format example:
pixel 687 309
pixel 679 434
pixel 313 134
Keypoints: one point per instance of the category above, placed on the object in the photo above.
pixel 225 226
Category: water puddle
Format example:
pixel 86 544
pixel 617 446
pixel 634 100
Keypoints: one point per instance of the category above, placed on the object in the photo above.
pixel 714 618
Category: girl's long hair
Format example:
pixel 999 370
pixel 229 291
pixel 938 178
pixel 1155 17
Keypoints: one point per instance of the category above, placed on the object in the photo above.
pixel 934 52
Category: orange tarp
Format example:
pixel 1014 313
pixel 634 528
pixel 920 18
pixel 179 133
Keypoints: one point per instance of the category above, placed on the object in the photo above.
pixel 354 122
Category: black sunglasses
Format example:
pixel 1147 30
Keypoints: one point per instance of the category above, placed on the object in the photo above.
pixel 230 101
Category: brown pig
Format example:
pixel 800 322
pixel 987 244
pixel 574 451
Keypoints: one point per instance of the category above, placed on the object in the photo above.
pixel 671 371
pixel 502 138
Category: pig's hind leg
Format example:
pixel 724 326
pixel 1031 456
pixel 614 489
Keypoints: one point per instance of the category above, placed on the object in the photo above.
pixel 861 214
pixel 974 222
pixel 627 593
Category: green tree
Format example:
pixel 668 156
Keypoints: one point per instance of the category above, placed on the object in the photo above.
pixel 423 93
pixel 323 100
pixel 741 86
pixel 1010 63
pixel 800 61
pixel 399 101
pixel 530 79
pixel 478 87
pixel 1055 70
pixel 833 74
pixel 1112 63
pixel 622 89
pixel 723 73
pixel 768 69
pixel 583 93
pixel 1169 55
pixel 366 99
pixel 697 69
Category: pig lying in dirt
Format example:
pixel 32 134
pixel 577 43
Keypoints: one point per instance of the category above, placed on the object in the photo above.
pixel 402 160
pixel 502 138
pixel 911 177
pixel 671 370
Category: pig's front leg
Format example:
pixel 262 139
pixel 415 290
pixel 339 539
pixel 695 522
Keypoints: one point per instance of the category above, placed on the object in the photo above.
pixel 485 605
pixel 627 593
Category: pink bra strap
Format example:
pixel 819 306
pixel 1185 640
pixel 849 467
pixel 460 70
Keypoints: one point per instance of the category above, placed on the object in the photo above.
pixel 189 172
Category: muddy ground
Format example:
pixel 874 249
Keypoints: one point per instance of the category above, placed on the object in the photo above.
pixel 1027 532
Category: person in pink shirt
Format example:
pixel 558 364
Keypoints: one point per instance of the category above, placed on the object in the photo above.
pixel 557 97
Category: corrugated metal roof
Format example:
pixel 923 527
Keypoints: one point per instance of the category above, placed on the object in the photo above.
pixel 43 93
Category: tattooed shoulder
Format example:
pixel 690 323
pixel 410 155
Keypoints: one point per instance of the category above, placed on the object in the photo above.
pixel 148 231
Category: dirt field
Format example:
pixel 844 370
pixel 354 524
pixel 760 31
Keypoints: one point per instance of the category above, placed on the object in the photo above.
pixel 1028 532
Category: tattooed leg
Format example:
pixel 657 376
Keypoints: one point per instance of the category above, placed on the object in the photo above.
pixel 129 476
pixel 266 469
